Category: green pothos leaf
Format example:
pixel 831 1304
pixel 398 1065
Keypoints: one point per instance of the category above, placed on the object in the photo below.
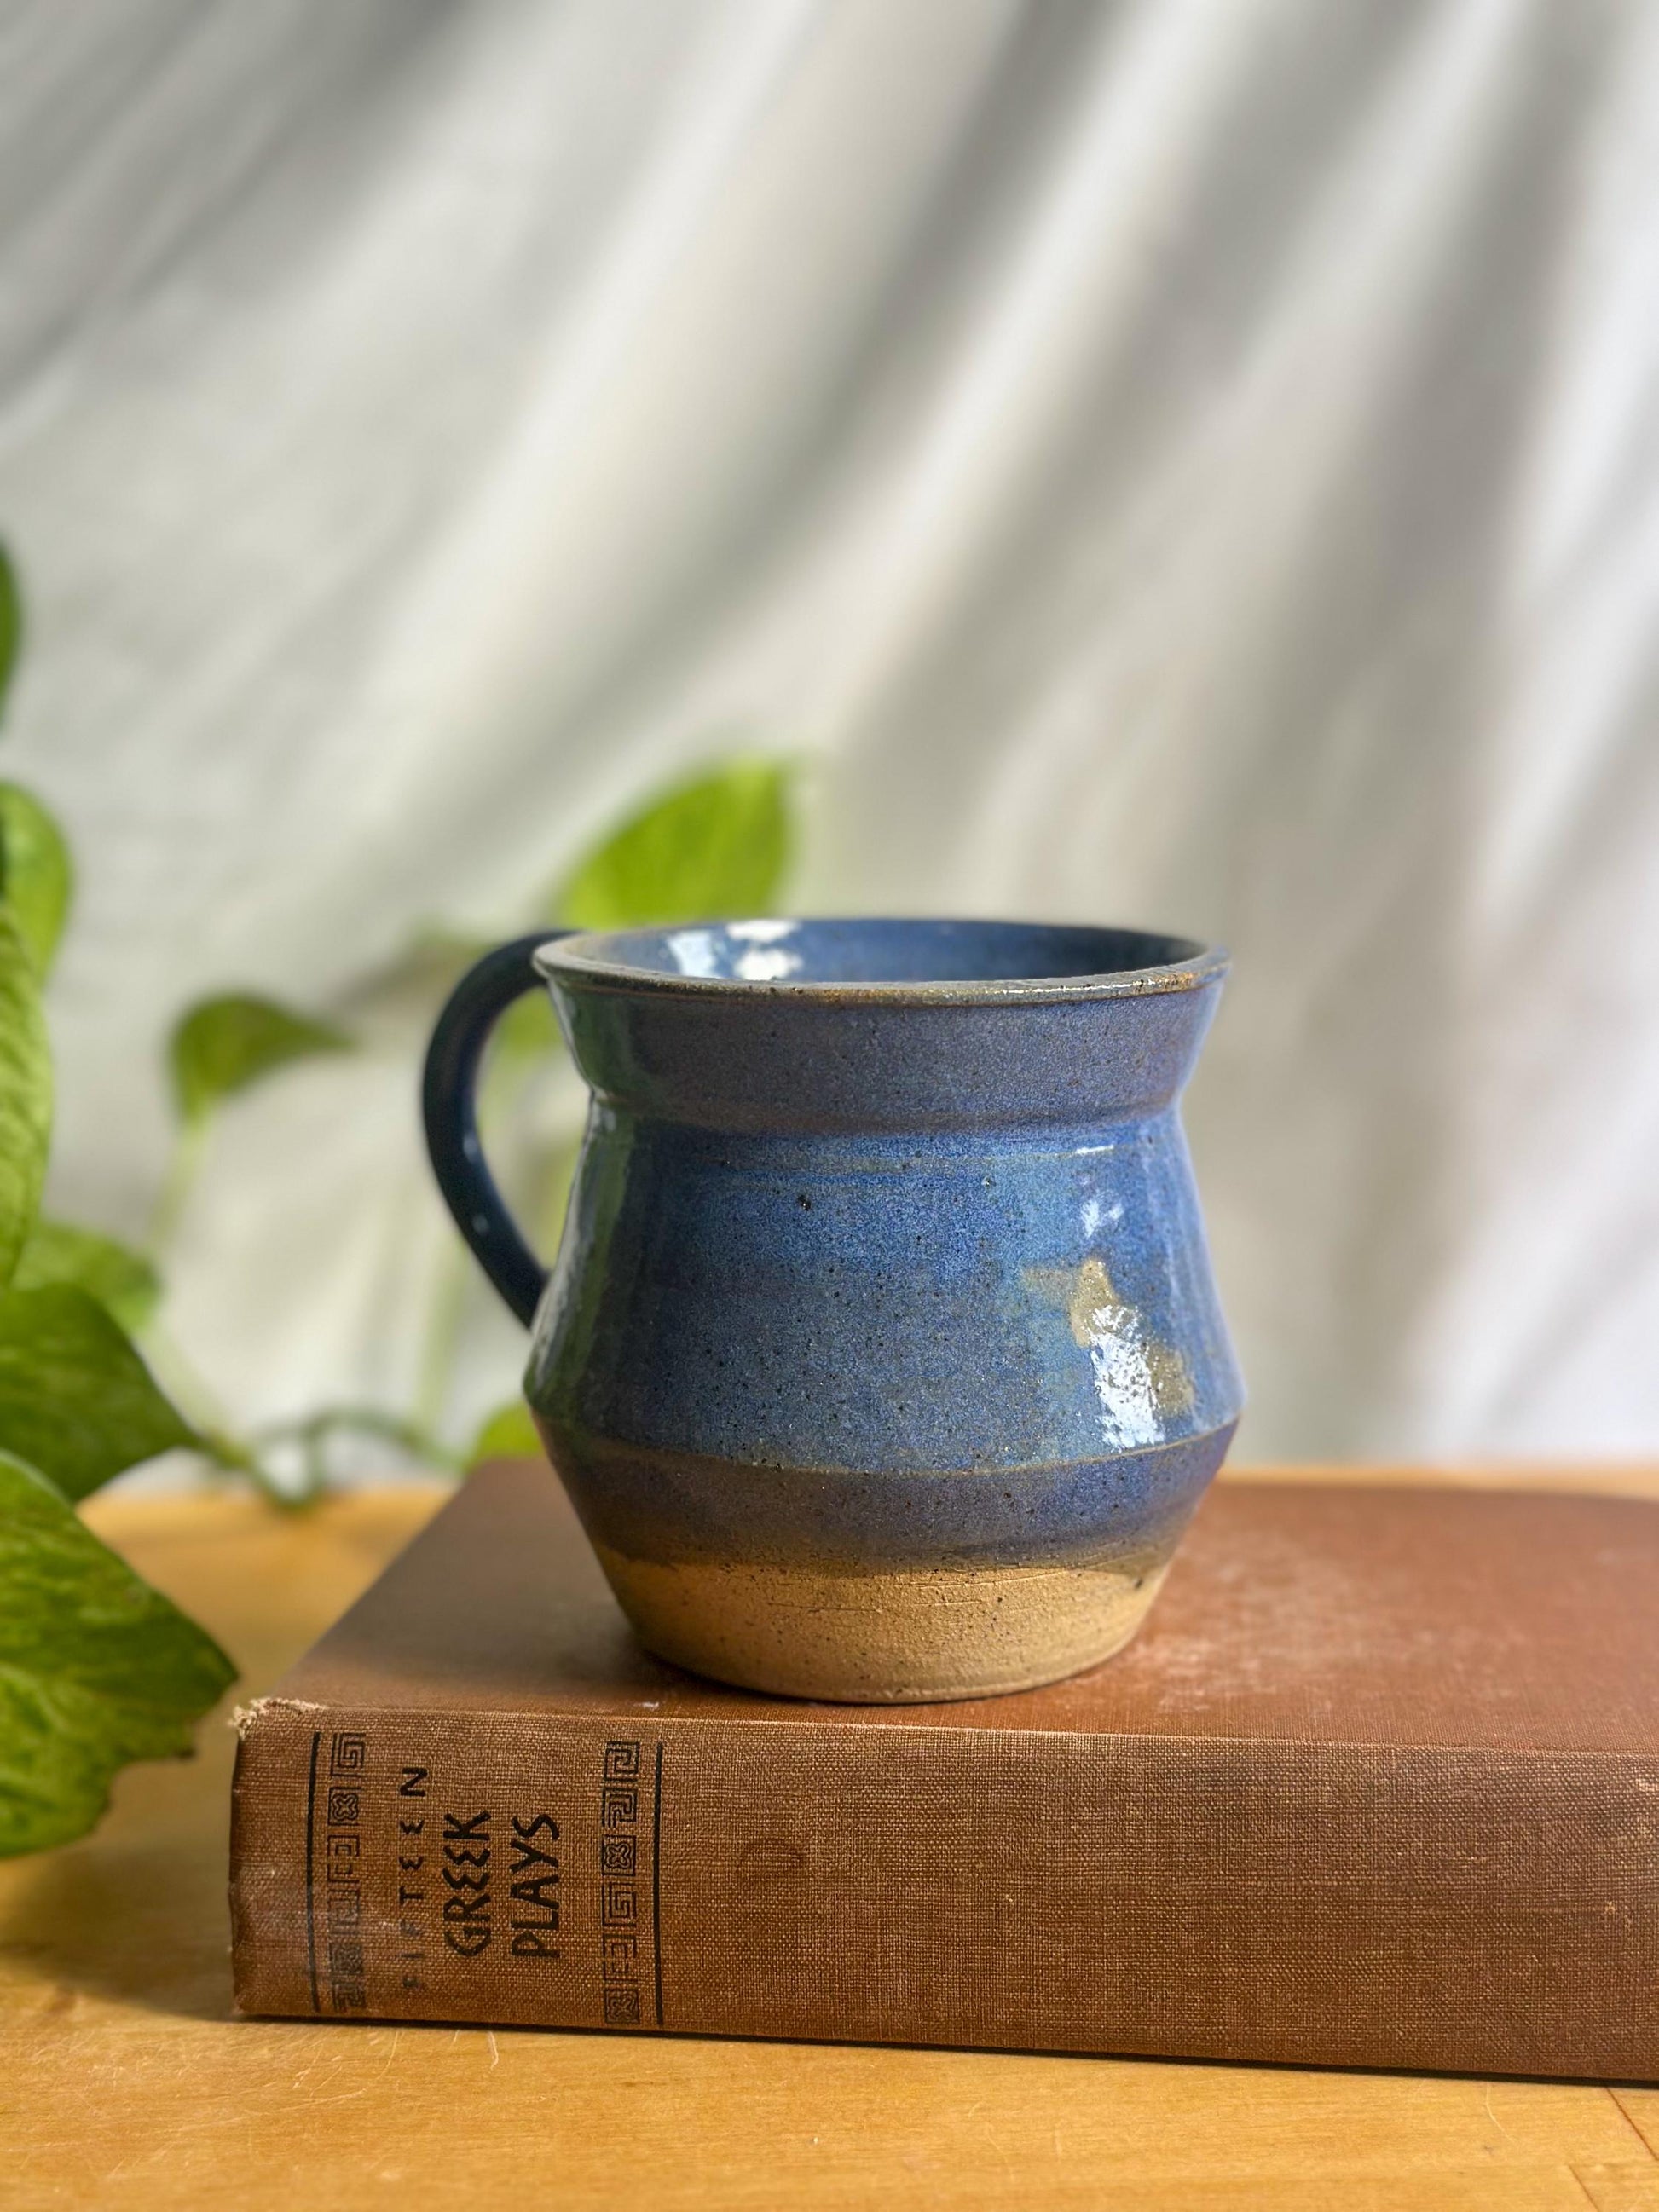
pixel 75 1399
pixel 508 1433
pixel 37 877
pixel 221 1046
pixel 25 1094
pixel 711 849
pixel 96 1667
pixel 122 1280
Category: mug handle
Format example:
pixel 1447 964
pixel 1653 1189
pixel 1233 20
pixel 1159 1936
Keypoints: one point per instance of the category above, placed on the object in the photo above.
pixel 449 1110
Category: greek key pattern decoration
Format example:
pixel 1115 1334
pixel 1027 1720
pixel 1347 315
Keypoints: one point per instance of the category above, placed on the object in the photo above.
pixel 630 1968
pixel 334 1868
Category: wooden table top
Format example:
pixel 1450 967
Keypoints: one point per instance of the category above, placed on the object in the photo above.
pixel 124 2080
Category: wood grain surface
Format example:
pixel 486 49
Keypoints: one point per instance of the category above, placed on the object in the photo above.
pixel 125 2081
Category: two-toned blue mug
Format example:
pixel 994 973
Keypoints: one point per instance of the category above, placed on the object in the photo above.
pixel 881 1356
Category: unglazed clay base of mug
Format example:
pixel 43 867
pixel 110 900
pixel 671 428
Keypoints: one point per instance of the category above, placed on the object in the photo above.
pixel 882 1637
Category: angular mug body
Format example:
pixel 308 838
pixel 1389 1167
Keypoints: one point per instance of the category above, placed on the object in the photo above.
pixel 882 1357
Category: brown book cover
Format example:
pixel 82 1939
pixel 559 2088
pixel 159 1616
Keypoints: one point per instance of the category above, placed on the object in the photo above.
pixel 1377 1784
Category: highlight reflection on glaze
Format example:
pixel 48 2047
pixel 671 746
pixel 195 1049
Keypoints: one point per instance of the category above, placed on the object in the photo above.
pixel 761 958
pixel 1141 1384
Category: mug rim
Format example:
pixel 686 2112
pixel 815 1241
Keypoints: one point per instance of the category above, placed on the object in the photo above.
pixel 586 957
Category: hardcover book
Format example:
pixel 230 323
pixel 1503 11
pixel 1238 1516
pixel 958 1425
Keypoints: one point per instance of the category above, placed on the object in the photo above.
pixel 1377 1784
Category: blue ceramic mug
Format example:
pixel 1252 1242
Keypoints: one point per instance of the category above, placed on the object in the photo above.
pixel 881 1357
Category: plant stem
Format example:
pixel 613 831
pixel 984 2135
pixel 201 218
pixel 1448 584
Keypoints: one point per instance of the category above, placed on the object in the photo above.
pixel 182 1171
pixel 409 1436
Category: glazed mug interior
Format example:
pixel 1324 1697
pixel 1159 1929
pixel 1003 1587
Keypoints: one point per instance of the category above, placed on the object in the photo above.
pixel 902 954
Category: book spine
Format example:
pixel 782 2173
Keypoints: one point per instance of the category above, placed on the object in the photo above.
pixel 1478 1912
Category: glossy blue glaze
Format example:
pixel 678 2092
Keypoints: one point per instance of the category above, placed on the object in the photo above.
pixel 881 1357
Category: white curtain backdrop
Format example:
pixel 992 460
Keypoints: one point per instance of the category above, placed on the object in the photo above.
pixel 1193 464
